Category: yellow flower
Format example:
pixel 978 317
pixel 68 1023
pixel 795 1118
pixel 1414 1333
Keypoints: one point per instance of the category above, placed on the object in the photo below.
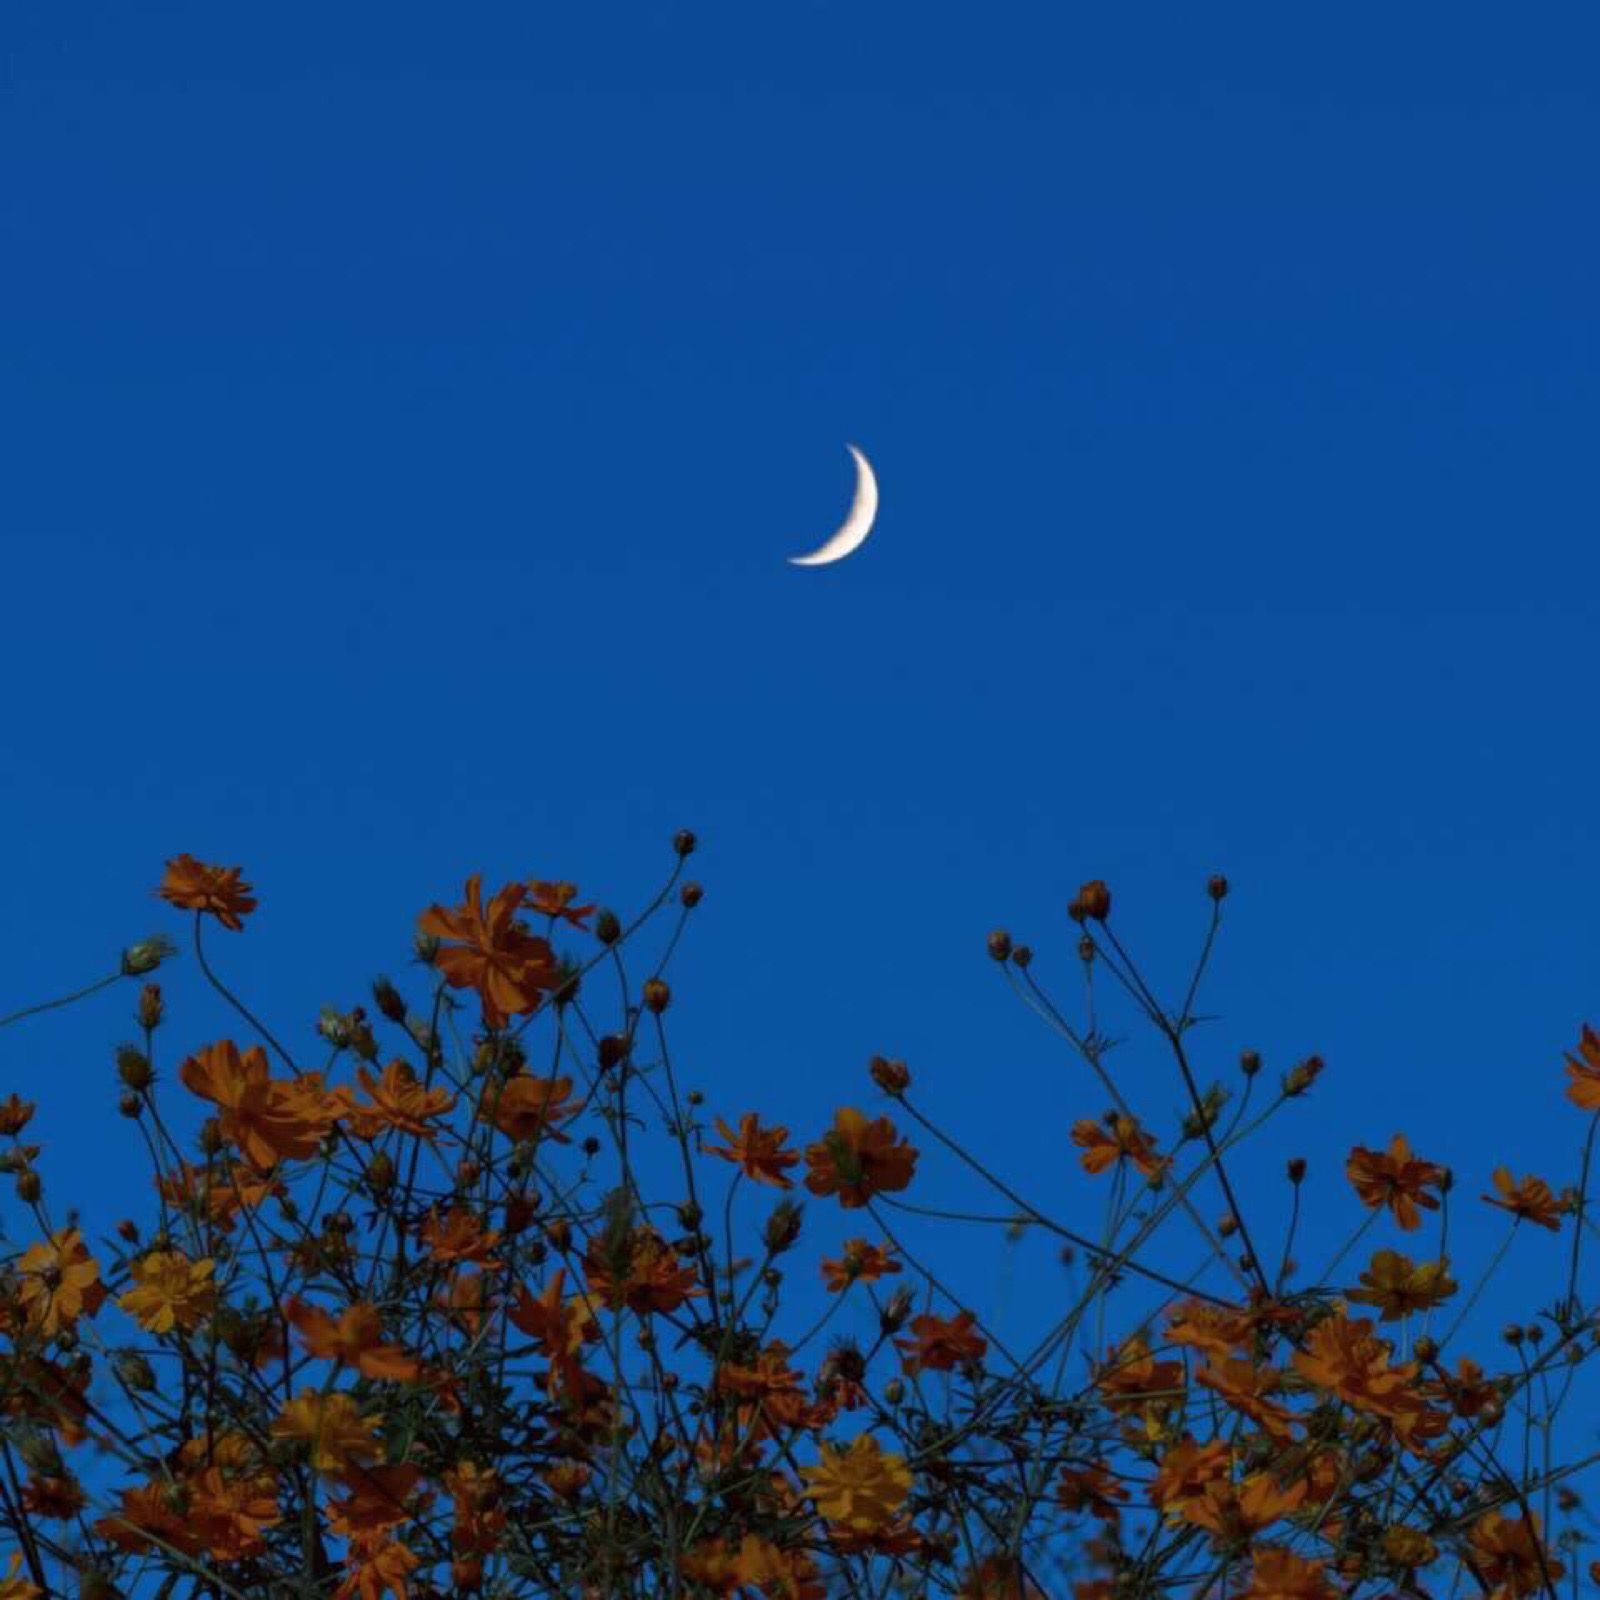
pixel 14 1588
pixel 860 1487
pixel 330 1423
pixel 172 1291
pixel 1398 1286
pixel 60 1281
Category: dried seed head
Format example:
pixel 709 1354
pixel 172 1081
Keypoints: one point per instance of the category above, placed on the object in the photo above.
pixel 607 927
pixel 1000 945
pixel 1249 1063
pixel 1297 1168
pixel 1093 900
pixel 684 842
pixel 130 1104
pixel 150 1007
pixel 1217 888
pixel 1022 956
pixel 690 895
pixel 657 996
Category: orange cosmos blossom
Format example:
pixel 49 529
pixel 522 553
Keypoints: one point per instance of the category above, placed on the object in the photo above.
pixel 857 1159
pixel 1397 1180
pixel 13 1587
pixel 269 1119
pixel 217 890
pixel 1398 1286
pixel 1528 1201
pixel 528 1107
pixel 1584 1071
pixel 757 1151
pixel 60 1282
pixel 555 900
pixel 1186 1471
pixel 644 1273
pixel 331 1424
pixel 459 1237
pixel 1245 1386
pixel 1131 1377
pixel 941 1343
pixel 510 968
pixel 227 1515
pixel 1279 1574
pixel 171 1291
pixel 1126 1141
pixel 377 1571
pixel 377 1501
pixel 862 1262
pixel 355 1339
pixel 398 1101
pixel 1511 1556
pixel 1093 1489
pixel 861 1487
pixel 1238 1511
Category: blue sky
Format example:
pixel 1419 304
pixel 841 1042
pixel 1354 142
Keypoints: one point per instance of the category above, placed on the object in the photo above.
pixel 409 411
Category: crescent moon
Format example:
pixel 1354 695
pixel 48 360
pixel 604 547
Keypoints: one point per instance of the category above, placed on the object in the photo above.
pixel 855 527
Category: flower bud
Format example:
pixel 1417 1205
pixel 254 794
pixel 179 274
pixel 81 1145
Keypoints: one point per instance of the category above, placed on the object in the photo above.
pixel 133 1067
pixel 1217 888
pixel 890 1076
pixel 212 1139
pixel 135 1371
pixel 783 1227
pixel 657 996
pixel 684 842
pixel 146 956
pixel 1249 1063
pixel 1226 1226
pixel 1512 1334
pixel 897 1309
pixel 426 946
pixel 521 1209
pixel 690 895
pixel 150 1007
pixel 29 1187
pixel 1297 1168
pixel 130 1104
pixel 1301 1077
pixel 1000 945
pixel 381 1172
pixel 15 1115
pixel 690 1216
pixel 1426 1350
pixel 387 999
pixel 607 927
pixel 128 1230
pixel 894 1391
pixel 612 1049
pixel 1086 949
pixel 467 1173
pixel 1093 900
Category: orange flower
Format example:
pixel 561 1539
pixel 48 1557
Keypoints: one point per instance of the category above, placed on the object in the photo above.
pixel 173 1291
pixel 1584 1090
pixel 398 1101
pixel 1279 1574
pixel 459 1238
pixel 555 900
pixel 339 1436
pixel 862 1262
pixel 1398 1286
pixel 1511 1556
pixel 261 1115
pixel 771 1386
pixel 1238 1511
pixel 1245 1386
pixel 1186 1471
pixel 467 1299
pixel 377 1570
pixel 227 1515
pixel 940 1343
pixel 1125 1142
pixel 527 1107
pixel 857 1159
pixel 641 1271
pixel 1092 1489
pixel 1345 1358
pixel 193 887
pixel 144 1517
pixel 509 967
pixel 1216 1331
pixel 377 1501
pixel 757 1151
pixel 356 1340
pixel 60 1282
pixel 1397 1180
pixel 14 1588
pixel 1132 1377
pixel 861 1487
pixel 1528 1201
